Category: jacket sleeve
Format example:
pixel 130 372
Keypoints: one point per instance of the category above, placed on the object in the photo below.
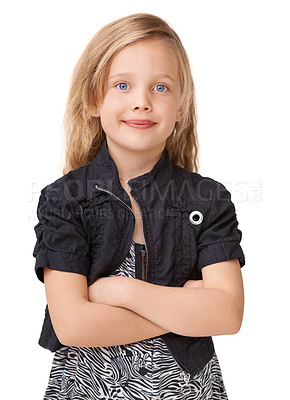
pixel 61 235
pixel 220 240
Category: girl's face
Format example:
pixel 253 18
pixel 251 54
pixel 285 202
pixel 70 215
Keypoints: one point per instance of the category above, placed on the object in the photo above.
pixel 141 99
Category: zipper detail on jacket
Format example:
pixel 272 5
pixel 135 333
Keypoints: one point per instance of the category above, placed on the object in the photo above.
pixel 116 197
pixel 144 256
pixel 144 264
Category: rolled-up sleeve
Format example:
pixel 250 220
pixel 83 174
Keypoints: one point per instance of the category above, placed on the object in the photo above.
pixel 61 240
pixel 220 240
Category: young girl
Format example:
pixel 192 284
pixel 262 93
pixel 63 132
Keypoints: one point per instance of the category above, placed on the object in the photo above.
pixel 131 205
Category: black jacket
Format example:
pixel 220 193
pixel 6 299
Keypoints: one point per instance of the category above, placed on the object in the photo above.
pixel 86 225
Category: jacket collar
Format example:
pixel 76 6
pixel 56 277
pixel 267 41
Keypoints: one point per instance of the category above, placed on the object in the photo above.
pixel 108 177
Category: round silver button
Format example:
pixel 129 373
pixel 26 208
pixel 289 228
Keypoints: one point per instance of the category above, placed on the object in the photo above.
pixel 196 217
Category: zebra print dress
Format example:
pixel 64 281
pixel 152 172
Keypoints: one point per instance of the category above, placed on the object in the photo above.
pixel 144 370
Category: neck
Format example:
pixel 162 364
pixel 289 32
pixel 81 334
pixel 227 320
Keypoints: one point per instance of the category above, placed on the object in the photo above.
pixel 131 164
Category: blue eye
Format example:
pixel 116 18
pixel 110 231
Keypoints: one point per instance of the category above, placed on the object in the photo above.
pixel 122 86
pixel 161 88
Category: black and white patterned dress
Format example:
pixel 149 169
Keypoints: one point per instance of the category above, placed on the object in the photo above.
pixel 144 370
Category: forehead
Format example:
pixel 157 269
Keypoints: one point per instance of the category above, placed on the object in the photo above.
pixel 150 55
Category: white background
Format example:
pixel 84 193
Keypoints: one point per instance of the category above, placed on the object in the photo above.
pixel 239 52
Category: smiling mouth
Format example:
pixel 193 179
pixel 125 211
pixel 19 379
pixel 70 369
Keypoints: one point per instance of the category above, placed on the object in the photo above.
pixel 140 124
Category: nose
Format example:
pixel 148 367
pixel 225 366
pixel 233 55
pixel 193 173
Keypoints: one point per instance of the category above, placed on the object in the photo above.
pixel 141 101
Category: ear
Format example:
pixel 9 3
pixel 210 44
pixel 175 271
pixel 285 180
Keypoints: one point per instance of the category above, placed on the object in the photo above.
pixel 180 112
pixel 94 111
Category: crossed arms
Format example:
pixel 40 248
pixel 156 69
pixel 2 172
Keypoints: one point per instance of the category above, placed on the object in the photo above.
pixel 119 310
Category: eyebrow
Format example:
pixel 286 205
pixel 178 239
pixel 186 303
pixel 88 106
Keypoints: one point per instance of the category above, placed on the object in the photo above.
pixel 159 76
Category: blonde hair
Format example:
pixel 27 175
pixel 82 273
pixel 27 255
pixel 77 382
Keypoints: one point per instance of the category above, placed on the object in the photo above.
pixel 84 134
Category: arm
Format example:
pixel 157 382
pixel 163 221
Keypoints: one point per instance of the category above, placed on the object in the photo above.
pixel 78 322
pixel 214 309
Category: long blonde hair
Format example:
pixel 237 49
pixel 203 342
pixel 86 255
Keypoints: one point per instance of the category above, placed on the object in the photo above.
pixel 83 132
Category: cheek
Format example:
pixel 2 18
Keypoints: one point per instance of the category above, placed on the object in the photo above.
pixel 108 101
pixel 111 107
pixel 169 108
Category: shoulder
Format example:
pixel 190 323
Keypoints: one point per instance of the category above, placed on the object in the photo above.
pixel 194 186
pixel 73 187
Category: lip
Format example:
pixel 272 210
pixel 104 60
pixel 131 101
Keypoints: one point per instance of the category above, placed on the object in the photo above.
pixel 140 123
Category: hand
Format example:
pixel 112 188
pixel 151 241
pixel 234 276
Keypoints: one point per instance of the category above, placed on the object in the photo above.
pixel 109 290
pixel 194 284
